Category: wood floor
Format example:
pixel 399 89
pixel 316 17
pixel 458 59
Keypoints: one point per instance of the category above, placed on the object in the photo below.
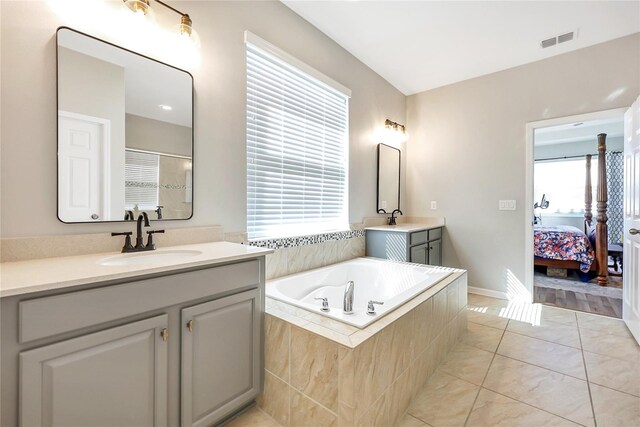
pixel 602 305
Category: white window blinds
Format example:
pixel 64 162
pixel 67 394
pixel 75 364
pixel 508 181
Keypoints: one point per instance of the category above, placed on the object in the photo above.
pixel 297 150
pixel 141 173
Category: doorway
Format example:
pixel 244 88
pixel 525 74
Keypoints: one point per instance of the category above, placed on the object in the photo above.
pixel 562 243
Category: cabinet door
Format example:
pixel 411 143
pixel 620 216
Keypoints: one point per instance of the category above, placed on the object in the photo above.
pixel 420 254
pixel 116 377
pixel 221 363
pixel 435 252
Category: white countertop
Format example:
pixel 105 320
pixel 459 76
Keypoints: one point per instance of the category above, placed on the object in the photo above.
pixel 409 227
pixel 23 277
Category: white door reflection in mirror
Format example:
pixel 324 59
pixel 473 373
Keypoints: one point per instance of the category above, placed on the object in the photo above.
pixel 83 152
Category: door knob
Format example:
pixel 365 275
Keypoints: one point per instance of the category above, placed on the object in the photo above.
pixel 634 231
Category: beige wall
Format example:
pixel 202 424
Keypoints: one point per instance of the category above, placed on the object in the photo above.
pixel 29 91
pixel 148 134
pixel 467 148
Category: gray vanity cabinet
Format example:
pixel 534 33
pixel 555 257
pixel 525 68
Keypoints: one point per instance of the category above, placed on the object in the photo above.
pixel 115 377
pixel 220 357
pixel 421 246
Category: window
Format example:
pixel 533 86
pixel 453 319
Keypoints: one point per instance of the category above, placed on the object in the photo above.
pixel 563 182
pixel 141 174
pixel 297 146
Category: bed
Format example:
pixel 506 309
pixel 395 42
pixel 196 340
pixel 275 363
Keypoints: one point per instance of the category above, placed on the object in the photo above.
pixel 571 248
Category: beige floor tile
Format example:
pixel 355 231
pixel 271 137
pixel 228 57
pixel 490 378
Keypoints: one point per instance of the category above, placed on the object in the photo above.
pixel 622 375
pixel 625 348
pixel 615 409
pixel 560 358
pixel 496 410
pixel 409 421
pixel 549 331
pixel 603 324
pixel 483 337
pixel 486 317
pixel 467 363
pixel 484 301
pixel 557 315
pixel 553 392
pixel 254 417
pixel 444 401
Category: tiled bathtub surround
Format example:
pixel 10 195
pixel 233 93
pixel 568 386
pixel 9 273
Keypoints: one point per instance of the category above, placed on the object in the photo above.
pixel 322 372
pixel 295 259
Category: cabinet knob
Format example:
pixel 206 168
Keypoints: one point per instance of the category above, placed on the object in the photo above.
pixel 190 325
pixel 164 334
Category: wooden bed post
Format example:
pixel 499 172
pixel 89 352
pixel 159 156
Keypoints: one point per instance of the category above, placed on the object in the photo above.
pixel 602 238
pixel 588 197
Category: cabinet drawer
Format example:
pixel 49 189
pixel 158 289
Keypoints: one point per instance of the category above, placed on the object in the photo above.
pixel 418 237
pixel 48 316
pixel 436 233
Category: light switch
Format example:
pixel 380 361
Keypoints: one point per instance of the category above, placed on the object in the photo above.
pixel 434 205
pixel 507 205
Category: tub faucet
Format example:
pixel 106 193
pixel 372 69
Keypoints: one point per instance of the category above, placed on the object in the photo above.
pixel 347 305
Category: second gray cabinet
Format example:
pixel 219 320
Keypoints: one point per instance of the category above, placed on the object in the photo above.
pixel 220 357
pixel 418 246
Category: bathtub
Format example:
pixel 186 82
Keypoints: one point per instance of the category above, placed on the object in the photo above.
pixel 390 282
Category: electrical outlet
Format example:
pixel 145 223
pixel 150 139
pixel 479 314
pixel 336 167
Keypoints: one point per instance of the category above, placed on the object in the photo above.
pixel 434 205
pixel 507 205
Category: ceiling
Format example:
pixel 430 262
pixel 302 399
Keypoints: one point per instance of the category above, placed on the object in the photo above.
pixel 421 45
pixel 580 131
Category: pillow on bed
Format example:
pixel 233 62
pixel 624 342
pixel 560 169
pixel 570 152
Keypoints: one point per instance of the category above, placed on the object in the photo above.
pixel 591 235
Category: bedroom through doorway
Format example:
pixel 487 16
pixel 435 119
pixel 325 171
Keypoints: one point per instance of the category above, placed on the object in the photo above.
pixel 578 215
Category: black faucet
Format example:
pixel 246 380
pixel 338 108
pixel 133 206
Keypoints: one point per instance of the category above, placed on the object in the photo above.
pixel 139 240
pixel 128 215
pixel 159 211
pixel 392 218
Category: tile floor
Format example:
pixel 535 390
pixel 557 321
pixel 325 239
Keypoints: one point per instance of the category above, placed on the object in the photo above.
pixel 527 365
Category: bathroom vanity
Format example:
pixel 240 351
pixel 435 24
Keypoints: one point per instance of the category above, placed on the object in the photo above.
pixel 418 243
pixel 124 340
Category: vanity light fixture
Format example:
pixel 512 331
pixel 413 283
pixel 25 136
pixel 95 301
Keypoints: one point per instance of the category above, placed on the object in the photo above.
pixel 394 126
pixel 185 27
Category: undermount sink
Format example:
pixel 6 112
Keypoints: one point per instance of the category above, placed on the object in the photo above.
pixel 149 257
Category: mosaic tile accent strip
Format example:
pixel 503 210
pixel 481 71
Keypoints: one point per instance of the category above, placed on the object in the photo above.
pixel 314 239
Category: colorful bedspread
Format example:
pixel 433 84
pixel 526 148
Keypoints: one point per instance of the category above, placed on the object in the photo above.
pixel 563 243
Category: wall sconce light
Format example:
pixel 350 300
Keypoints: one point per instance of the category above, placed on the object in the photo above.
pixel 394 126
pixel 394 133
pixel 185 27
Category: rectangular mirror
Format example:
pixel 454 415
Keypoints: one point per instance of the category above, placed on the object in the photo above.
pixel 388 179
pixel 125 133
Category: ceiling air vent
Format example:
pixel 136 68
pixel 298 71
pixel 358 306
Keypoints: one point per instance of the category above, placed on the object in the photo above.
pixel 565 37
pixel 548 42
pixel 562 38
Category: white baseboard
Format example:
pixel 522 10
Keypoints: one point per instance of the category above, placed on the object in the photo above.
pixel 488 292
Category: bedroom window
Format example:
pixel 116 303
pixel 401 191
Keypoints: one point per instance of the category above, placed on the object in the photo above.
pixel 297 146
pixel 563 183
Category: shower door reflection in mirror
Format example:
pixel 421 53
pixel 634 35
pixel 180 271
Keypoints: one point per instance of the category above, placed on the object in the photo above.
pixel 125 133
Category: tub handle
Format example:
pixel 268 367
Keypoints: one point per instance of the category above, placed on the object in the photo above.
pixel 371 309
pixel 325 303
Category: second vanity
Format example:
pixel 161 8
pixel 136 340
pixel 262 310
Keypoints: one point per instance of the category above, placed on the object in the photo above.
pixel 172 341
pixel 418 243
